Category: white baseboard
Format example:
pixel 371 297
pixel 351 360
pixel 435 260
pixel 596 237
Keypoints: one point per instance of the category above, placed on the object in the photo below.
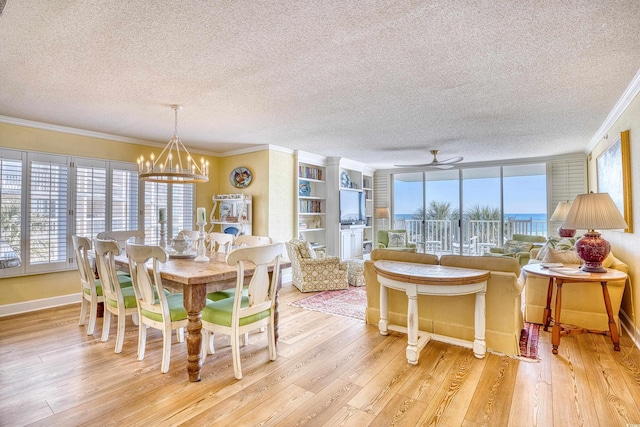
pixel 39 304
pixel 628 325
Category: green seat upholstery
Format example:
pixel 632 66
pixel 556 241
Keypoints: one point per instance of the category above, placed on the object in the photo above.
pixel 395 244
pixel 518 247
pixel 251 307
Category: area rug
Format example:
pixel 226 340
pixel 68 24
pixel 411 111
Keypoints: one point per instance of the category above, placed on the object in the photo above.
pixel 529 340
pixel 350 302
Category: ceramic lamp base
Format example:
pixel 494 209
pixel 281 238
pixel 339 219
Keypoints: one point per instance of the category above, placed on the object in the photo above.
pixel 566 232
pixel 593 249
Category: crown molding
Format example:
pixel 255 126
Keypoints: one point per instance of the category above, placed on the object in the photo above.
pixel 627 96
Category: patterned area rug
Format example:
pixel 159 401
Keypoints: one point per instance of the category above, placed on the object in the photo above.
pixel 350 302
pixel 529 340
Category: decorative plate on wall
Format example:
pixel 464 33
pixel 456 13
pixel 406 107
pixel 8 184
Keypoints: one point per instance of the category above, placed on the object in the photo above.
pixel 240 177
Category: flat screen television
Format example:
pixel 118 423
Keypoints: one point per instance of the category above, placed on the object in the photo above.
pixel 352 207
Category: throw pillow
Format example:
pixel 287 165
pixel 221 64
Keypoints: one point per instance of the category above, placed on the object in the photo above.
pixel 397 240
pixel 559 243
pixel 515 246
pixel 563 256
pixel 609 260
pixel 306 251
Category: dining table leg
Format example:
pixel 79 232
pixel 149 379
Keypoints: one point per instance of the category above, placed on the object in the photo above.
pixel 194 302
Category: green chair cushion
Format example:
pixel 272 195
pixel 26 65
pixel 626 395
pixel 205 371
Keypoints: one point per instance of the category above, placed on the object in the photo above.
pixel 98 288
pixel 176 310
pixel 226 293
pixel 129 296
pixel 220 312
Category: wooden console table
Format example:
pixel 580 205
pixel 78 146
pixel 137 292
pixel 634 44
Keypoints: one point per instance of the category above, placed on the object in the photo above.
pixel 425 279
pixel 559 279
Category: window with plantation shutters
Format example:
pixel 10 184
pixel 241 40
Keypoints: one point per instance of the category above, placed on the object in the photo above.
pixel 45 199
pixel 11 188
pixel 182 200
pixel 155 197
pixel 48 212
pixel 124 198
pixel 91 196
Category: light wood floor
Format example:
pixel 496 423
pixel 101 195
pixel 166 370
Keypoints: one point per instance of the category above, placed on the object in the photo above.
pixel 330 371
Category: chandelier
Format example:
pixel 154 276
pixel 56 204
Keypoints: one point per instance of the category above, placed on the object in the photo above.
pixel 174 165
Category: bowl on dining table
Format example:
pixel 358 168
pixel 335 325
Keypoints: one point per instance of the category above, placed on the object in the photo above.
pixel 181 243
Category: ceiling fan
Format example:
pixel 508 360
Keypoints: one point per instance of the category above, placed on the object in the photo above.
pixel 435 163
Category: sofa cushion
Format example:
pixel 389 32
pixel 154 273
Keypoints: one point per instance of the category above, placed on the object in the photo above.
pixel 493 263
pixel 561 243
pixel 397 240
pixel 515 246
pixel 568 256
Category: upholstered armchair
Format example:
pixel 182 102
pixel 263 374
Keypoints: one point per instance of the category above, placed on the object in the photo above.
pixel 396 240
pixel 518 247
pixel 312 273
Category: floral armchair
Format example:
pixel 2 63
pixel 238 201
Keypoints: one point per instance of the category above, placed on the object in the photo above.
pixel 313 273
pixel 397 240
pixel 518 247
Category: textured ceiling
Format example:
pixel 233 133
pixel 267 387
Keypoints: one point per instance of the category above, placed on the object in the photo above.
pixel 375 81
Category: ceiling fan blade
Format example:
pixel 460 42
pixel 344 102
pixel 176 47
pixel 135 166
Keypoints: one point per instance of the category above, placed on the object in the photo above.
pixel 451 160
pixel 427 165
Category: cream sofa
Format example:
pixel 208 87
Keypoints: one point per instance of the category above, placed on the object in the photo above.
pixel 582 302
pixel 454 316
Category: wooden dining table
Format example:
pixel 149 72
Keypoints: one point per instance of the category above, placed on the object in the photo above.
pixel 195 279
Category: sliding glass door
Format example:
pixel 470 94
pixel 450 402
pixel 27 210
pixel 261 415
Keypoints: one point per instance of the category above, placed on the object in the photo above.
pixel 468 211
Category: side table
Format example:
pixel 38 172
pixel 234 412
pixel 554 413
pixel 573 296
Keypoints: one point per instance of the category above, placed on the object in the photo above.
pixel 564 275
pixel 427 279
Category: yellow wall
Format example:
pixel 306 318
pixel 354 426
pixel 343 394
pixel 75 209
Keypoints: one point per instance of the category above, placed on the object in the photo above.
pixel 33 287
pixel 625 246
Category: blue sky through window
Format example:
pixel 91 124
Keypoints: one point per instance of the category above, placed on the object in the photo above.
pixel 523 194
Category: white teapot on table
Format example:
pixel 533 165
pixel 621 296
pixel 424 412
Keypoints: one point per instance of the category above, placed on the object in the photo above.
pixel 181 243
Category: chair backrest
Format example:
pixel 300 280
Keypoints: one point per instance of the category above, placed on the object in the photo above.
pixel 122 237
pixel 147 287
pixel 82 246
pixel 106 250
pixel 220 242
pixel 246 240
pixel 262 290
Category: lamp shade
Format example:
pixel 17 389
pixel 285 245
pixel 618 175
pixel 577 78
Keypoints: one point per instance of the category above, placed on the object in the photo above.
pixel 594 211
pixel 560 214
pixel 382 213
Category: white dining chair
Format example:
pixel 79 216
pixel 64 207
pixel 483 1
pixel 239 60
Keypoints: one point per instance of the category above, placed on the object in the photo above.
pixel 90 287
pixel 118 300
pixel 219 242
pixel 246 311
pixel 247 240
pixel 156 308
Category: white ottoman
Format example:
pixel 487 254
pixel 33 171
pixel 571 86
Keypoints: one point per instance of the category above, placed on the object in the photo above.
pixel 355 275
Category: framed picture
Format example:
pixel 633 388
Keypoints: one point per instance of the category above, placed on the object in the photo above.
pixel 226 209
pixel 304 188
pixel 614 176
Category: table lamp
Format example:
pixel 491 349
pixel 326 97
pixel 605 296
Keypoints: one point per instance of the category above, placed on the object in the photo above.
pixel 560 215
pixel 382 213
pixel 588 212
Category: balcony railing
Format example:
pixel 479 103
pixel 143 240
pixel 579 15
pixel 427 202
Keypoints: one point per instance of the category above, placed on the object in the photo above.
pixel 477 235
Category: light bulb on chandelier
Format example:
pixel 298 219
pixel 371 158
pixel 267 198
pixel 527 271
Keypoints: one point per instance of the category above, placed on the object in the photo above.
pixel 174 165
